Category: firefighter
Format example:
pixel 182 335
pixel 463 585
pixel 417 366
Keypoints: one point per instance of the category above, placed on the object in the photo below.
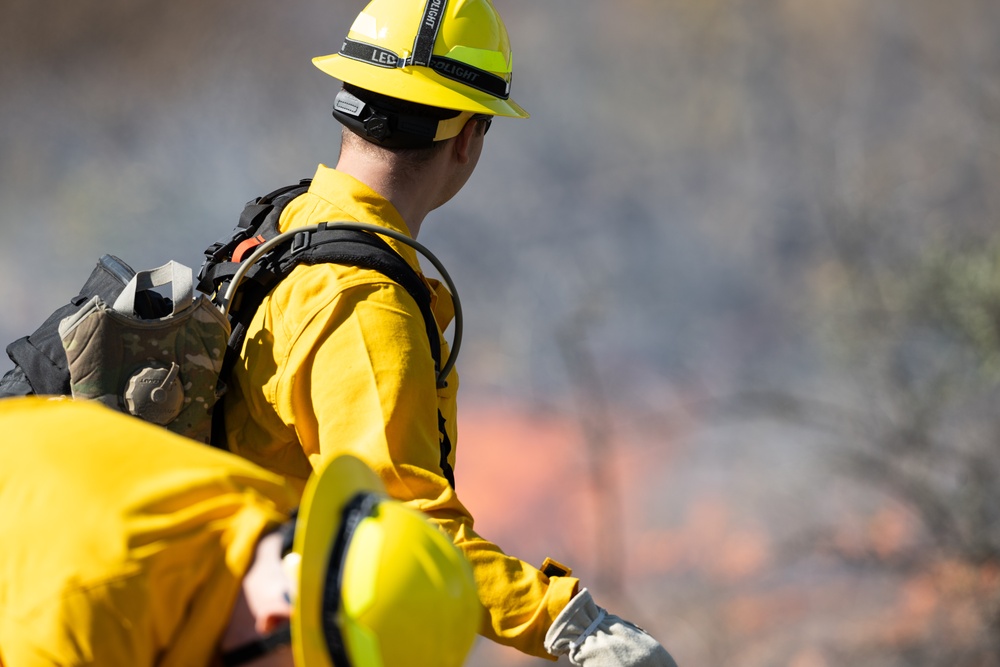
pixel 337 358
pixel 124 545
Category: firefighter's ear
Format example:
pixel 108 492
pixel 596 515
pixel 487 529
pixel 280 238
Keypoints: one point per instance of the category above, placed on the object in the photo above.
pixel 466 142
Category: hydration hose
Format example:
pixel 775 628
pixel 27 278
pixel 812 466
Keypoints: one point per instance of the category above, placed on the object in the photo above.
pixel 264 248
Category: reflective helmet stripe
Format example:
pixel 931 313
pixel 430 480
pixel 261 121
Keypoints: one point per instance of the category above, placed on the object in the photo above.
pixel 456 70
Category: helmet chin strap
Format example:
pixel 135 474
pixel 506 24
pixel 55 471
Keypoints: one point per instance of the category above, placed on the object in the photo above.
pixel 258 648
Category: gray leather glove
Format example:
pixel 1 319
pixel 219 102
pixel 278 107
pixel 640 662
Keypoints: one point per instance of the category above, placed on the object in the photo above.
pixel 592 637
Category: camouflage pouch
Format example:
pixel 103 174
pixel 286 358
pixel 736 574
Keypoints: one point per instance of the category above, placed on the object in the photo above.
pixel 164 370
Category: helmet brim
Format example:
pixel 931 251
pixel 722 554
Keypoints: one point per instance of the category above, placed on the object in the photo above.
pixel 327 492
pixel 417 84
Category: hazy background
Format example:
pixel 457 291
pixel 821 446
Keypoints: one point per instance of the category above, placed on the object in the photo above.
pixel 732 294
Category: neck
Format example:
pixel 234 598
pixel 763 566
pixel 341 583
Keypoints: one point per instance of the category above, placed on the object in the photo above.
pixel 414 193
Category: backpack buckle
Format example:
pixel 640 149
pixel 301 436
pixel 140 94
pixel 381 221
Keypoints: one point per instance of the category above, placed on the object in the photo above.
pixel 301 241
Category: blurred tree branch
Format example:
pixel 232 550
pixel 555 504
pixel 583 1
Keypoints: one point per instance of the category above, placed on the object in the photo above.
pixel 595 419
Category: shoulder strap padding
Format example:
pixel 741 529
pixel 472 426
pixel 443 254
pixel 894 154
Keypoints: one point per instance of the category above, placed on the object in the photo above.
pixel 260 217
pixel 339 246
pixel 314 245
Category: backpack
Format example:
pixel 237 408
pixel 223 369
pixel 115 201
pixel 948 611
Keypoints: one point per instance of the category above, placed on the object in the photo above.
pixel 167 359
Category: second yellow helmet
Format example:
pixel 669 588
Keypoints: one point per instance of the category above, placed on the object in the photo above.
pixel 377 585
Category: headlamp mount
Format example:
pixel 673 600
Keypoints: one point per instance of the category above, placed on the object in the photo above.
pixel 382 126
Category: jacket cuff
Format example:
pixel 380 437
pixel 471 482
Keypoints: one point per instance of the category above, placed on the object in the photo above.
pixel 561 591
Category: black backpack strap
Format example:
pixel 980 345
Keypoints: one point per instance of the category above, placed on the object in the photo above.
pixel 259 219
pixel 338 246
pixel 319 246
pixel 315 245
pixel 15 383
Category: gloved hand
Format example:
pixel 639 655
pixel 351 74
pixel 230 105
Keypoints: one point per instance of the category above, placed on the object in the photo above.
pixel 592 637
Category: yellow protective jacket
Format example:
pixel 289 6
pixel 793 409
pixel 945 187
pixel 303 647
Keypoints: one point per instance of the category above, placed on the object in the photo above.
pixel 121 544
pixel 337 360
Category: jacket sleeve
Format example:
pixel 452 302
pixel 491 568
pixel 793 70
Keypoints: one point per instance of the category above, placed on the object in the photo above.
pixel 360 380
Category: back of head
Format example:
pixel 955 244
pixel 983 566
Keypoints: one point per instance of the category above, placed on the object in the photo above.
pixel 415 72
